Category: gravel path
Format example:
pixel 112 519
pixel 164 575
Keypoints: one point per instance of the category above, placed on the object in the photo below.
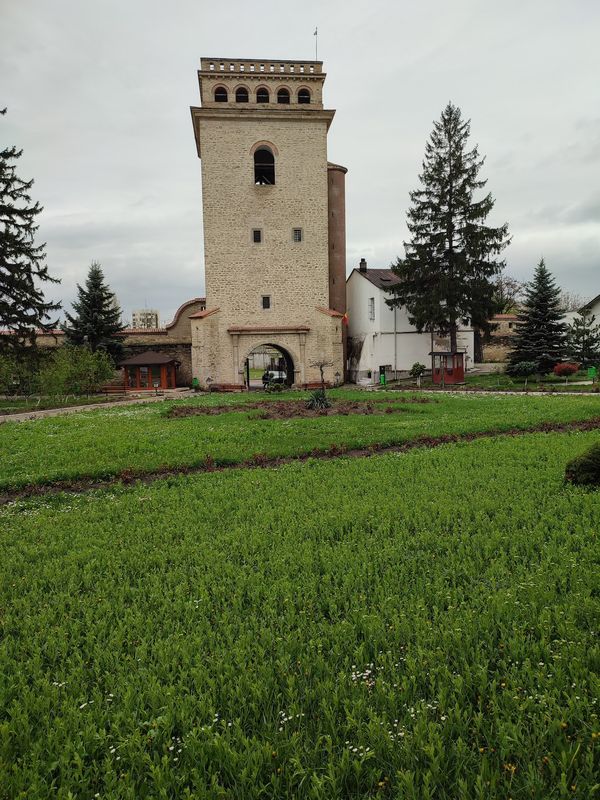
pixel 56 412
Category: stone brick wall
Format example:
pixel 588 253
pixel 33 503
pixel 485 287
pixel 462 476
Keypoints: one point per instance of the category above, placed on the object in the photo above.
pixel 295 275
pixel 174 339
pixel 496 350
pixel 239 272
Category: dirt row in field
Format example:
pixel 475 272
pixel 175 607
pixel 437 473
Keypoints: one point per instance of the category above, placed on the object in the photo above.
pixel 289 409
pixel 261 461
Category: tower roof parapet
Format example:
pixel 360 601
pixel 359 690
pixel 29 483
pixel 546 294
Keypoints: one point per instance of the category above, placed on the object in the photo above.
pixel 259 66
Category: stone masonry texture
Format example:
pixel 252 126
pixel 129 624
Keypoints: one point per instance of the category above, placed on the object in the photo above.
pixel 239 272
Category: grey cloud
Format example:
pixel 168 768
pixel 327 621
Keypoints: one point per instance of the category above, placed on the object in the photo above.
pixel 588 211
pixel 99 96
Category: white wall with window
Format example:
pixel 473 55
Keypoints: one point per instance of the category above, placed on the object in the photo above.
pixel 383 336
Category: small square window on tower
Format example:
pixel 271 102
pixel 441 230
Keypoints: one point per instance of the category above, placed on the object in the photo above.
pixel 266 301
pixel 297 234
pixel 256 235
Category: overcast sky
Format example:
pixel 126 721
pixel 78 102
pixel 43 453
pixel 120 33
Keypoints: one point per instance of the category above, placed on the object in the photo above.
pixel 98 96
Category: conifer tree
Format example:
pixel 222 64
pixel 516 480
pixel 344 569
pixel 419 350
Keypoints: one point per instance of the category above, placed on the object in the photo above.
pixel 97 318
pixel 540 330
pixel 23 309
pixel 583 339
pixel 447 274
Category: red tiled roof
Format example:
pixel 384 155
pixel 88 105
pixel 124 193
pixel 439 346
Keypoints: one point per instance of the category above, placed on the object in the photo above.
pixel 142 331
pixel 331 311
pixel 38 332
pixel 206 313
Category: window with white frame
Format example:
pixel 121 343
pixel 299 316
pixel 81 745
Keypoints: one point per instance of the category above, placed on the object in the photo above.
pixel 371 308
pixel 266 301
pixel 297 234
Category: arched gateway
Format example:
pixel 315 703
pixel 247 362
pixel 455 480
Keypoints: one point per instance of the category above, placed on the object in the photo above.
pixel 269 363
pixel 274 224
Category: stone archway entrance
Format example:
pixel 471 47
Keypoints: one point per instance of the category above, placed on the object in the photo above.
pixel 268 358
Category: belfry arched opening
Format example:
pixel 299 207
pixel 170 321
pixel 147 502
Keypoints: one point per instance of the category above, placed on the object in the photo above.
pixel 268 364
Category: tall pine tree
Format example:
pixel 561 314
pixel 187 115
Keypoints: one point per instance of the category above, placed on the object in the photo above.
pixel 23 309
pixel 447 274
pixel 540 331
pixel 97 318
pixel 583 339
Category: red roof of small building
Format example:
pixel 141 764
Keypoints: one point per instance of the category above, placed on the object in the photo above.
pixel 149 358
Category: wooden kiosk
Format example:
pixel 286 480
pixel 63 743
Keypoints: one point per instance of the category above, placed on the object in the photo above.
pixel 447 368
pixel 149 371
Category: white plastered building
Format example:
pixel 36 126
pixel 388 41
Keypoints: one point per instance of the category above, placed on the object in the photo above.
pixel 380 336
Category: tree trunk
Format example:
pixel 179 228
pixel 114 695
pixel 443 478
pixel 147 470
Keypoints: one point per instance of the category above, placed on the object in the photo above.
pixel 453 344
pixel 477 346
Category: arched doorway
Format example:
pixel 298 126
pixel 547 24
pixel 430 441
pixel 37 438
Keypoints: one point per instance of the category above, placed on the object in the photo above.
pixel 270 360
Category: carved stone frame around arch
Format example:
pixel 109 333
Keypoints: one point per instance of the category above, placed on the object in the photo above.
pixel 292 340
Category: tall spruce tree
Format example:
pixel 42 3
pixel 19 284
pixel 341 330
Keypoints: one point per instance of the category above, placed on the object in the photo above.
pixel 97 318
pixel 583 339
pixel 540 330
pixel 23 309
pixel 447 274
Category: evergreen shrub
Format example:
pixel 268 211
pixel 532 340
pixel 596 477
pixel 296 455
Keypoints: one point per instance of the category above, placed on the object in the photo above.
pixel 585 469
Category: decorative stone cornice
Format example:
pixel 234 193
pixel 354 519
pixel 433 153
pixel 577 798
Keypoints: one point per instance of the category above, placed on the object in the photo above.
pixel 265 329
pixel 283 112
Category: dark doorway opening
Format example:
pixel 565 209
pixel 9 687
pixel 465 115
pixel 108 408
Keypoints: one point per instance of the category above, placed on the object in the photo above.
pixel 268 363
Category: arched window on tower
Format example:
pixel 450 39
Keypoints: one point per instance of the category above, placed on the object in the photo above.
pixel 264 166
pixel 241 95
pixel 262 95
pixel 220 94
pixel 283 97
pixel 304 96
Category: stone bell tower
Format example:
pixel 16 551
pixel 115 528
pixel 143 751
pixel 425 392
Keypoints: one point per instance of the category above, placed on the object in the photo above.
pixel 274 226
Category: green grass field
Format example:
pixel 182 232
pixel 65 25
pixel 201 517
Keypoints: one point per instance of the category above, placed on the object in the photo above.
pixel 101 443
pixel 407 626
pixel 502 381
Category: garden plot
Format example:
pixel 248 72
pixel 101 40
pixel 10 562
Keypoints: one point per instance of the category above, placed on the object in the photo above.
pixel 412 625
